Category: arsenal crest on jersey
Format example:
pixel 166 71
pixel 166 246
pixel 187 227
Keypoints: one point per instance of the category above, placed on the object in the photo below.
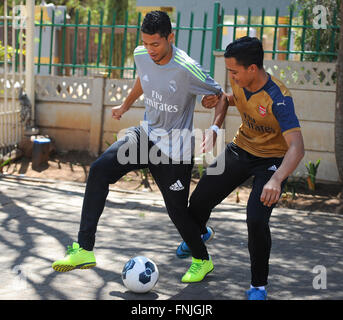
pixel 262 110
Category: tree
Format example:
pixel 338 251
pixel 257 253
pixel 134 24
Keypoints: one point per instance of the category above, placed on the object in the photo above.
pixel 325 42
pixel 119 8
pixel 339 104
pixel 313 36
pixel 109 8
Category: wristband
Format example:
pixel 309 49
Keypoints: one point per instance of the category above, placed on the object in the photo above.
pixel 215 128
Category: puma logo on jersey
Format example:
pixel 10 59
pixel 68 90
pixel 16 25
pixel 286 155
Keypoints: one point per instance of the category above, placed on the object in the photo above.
pixel 281 103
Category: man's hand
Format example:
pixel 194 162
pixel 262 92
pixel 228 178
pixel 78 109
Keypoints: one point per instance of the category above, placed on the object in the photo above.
pixel 118 111
pixel 271 192
pixel 135 93
pixel 272 189
pixel 209 140
pixel 210 101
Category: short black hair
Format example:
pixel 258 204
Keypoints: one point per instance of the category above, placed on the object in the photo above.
pixel 157 22
pixel 246 51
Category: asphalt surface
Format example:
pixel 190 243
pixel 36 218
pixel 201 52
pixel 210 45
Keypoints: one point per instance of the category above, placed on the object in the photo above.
pixel 39 219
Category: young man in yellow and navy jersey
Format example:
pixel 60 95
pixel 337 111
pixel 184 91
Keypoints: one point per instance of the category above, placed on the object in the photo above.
pixel 268 146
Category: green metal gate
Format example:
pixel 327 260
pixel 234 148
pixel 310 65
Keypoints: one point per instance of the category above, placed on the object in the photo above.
pixel 91 45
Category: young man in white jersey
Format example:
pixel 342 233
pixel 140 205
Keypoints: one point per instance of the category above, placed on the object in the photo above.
pixel 170 81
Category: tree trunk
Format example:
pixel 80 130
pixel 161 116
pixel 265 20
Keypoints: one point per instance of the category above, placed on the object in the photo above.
pixel 339 105
pixel 120 7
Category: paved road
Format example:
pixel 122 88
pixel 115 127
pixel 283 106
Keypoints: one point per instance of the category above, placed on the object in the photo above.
pixel 38 220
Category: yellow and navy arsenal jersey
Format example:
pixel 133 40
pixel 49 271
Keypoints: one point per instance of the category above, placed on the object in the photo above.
pixel 267 115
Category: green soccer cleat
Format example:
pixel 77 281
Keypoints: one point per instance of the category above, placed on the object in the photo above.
pixel 198 270
pixel 75 258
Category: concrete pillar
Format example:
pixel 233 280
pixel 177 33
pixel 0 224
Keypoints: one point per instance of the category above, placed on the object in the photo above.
pixel 220 75
pixel 283 34
pixel 29 57
pixel 220 69
pixel 97 111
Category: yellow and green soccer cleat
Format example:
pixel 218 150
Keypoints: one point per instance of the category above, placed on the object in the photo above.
pixel 198 270
pixel 75 258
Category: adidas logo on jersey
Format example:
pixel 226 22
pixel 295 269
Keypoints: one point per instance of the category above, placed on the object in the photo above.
pixel 177 186
pixel 272 168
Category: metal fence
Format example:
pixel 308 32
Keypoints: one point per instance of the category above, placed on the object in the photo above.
pixel 285 25
pixel 84 47
pixel 90 53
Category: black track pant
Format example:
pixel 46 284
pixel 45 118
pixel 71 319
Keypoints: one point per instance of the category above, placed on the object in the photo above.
pixel 213 189
pixel 173 181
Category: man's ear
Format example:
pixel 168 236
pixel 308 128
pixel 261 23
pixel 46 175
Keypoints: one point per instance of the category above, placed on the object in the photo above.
pixel 171 38
pixel 253 68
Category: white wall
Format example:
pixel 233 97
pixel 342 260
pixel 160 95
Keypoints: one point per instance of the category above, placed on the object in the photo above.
pixel 76 112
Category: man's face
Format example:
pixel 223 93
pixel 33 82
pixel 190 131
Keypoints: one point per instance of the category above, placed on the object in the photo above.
pixel 159 48
pixel 241 75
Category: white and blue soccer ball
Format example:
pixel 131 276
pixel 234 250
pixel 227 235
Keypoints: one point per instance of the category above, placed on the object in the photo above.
pixel 140 274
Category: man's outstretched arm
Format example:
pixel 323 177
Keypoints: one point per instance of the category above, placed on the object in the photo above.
pixel 135 93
